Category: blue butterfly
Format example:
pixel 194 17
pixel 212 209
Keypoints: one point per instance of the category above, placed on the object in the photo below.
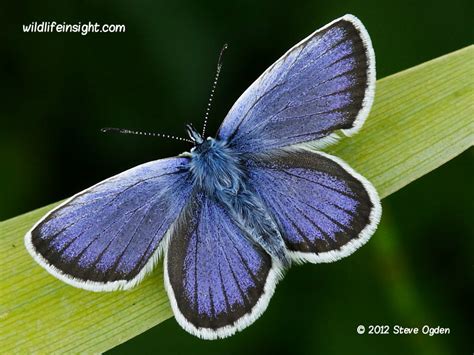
pixel 233 213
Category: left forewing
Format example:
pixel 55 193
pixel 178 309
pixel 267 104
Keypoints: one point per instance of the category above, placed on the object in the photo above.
pixel 106 237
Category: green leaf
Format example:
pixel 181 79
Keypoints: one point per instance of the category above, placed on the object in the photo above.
pixel 422 117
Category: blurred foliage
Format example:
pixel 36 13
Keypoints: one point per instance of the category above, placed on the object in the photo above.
pixel 59 89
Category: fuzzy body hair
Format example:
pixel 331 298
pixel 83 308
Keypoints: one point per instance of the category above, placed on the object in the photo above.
pixel 218 171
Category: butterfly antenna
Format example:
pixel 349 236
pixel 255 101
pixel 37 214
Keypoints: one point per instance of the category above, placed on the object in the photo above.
pixel 140 133
pixel 218 71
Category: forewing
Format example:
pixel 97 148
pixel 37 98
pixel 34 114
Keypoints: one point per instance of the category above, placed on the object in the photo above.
pixel 106 237
pixel 324 208
pixel 324 83
pixel 218 281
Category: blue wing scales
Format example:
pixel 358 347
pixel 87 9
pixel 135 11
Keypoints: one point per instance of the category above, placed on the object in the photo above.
pixel 217 279
pixel 103 237
pixel 324 208
pixel 323 84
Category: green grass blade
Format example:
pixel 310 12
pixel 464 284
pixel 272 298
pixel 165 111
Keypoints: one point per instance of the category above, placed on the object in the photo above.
pixel 422 117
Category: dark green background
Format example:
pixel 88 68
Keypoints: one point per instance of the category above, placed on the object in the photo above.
pixel 59 89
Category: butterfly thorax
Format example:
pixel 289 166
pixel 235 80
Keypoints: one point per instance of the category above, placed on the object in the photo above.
pixel 220 173
pixel 216 169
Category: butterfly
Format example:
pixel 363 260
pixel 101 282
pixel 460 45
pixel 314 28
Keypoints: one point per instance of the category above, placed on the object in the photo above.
pixel 235 212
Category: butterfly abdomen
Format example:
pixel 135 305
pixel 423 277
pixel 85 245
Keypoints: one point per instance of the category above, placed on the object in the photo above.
pixel 218 172
pixel 252 216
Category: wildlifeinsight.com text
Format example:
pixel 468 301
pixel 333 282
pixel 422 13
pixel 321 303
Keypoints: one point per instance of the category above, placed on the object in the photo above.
pixel 79 27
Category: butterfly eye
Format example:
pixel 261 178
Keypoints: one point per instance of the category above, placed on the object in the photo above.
pixel 208 138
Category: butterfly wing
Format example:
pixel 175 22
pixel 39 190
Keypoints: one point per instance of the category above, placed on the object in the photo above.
pixel 106 237
pixel 324 83
pixel 325 209
pixel 218 281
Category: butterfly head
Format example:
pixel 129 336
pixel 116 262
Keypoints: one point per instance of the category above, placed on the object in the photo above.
pixel 195 136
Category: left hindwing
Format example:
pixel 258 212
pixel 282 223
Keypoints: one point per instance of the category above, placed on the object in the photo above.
pixel 323 84
pixel 218 280
pixel 324 208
